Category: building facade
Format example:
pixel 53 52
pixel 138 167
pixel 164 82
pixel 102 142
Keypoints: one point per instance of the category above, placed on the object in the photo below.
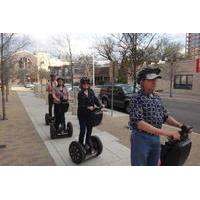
pixel 193 45
pixel 185 78
pixel 28 64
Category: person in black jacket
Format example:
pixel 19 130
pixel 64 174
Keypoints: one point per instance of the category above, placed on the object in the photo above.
pixel 86 104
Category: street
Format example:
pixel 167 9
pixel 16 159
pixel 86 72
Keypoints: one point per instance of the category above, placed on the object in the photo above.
pixel 187 112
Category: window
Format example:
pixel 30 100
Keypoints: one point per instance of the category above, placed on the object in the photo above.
pixel 183 81
pixel 117 90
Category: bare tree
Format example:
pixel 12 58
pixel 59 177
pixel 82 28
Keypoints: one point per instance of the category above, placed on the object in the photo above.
pixel 130 50
pixel 62 44
pixel 87 61
pixel 136 45
pixel 10 43
pixel 108 49
pixel 171 53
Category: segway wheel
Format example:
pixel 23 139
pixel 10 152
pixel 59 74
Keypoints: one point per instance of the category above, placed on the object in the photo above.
pixel 98 146
pixel 77 152
pixel 52 131
pixel 47 117
pixel 69 129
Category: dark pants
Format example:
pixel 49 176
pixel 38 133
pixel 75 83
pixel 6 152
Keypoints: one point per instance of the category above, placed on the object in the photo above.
pixel 85 131
pixel 50 101
pixel 59 114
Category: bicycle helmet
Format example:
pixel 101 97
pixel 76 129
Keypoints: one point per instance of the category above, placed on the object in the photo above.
pixel 84 80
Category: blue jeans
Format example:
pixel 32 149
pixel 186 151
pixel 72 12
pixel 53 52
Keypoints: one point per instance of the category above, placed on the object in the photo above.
pixel 145 149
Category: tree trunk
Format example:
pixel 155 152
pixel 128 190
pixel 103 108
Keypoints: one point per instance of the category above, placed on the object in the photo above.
pixel 2 81
pixel 7 91
pixel 134 75
pixel 171 78
pixel 134 59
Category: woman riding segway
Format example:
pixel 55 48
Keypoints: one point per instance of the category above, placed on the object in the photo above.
pixel 50 85
pixel 60 95
pixel 86 105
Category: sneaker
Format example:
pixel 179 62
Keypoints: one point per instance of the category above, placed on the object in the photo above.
pixel 65 131
pixel 92 150
pixel 87 147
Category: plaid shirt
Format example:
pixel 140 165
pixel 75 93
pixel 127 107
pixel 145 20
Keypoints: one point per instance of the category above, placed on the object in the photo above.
pixel 147 107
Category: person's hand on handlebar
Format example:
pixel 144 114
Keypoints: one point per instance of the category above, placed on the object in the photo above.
pixel 175 135
pixel 91 108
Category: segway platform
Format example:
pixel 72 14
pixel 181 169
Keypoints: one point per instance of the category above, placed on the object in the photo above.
pixel 80 152
pixel 60 133
pixel 48 119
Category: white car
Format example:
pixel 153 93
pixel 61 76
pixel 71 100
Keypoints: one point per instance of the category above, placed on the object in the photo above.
pixel 29 85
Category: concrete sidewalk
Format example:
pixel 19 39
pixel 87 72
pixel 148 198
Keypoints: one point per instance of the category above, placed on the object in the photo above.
pixel 114 153
pixel 24 146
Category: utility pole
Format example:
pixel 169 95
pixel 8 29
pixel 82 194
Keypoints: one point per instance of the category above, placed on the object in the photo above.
pixel 113 82
pixel 172 62
pixel 72 74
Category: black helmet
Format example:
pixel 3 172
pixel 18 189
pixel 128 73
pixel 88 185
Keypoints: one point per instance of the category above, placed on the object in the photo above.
pixel 84 80
pixel 60 78
pixel 52 74
pixel 148 74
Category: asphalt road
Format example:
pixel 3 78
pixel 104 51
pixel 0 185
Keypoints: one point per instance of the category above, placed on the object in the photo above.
pixel 184 111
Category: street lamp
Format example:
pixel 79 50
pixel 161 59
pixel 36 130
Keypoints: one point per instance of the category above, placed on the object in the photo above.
pixel 93 72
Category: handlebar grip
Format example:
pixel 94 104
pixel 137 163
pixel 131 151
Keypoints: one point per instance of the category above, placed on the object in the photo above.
pixel 185 128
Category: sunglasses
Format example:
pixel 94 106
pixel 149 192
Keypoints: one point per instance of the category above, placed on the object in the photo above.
pixel 86 83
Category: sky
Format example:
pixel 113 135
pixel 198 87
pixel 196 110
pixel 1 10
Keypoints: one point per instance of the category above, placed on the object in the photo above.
pixel 80 42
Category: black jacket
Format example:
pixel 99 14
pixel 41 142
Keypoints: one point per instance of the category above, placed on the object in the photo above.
pixel 85 101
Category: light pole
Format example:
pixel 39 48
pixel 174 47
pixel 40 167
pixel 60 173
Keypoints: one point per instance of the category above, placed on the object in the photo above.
pixel 93 72
pixel 171 78
pixel 171 61
pixel 113 82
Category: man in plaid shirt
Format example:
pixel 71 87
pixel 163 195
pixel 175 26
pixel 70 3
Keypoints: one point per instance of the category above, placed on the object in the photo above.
pixel 147 114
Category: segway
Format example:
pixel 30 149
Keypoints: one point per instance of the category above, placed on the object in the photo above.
pixel 175 153
pixel 82 152
pixel 62 132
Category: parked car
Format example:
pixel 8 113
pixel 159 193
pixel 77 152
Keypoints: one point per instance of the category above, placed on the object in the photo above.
pixel 29 85
pixel 69 87
pixel 121 95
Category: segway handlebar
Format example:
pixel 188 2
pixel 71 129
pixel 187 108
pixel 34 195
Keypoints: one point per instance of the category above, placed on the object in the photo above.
pixel 185 130
pixel 184 134
pixel 99 108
